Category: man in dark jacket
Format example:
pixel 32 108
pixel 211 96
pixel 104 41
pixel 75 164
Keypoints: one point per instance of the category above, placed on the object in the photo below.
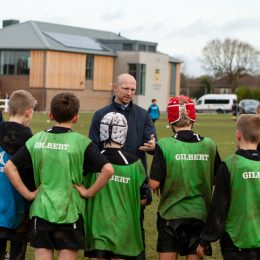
pixel 141 135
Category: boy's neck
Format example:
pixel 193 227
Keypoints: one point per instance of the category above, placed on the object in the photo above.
pixel 64 124
pixel 247 146
pixel 112 145
pixel 177 129
pixel 23 120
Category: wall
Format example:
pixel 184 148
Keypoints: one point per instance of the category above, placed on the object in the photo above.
pixel 63 72
pixel 156 86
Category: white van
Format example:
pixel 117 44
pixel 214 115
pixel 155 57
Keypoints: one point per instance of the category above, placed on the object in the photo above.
pixel 220 103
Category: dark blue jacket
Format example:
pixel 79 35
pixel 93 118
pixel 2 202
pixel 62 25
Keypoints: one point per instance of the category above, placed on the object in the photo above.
pixel 140 127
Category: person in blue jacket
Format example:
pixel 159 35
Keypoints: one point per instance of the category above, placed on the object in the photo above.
pixel 14 210
pixel 141 135
pixel 154 110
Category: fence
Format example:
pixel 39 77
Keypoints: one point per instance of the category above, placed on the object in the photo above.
pixel 4 104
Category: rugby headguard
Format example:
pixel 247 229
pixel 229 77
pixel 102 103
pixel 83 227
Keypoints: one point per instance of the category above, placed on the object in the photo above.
pixel 180 105
pixel 113 127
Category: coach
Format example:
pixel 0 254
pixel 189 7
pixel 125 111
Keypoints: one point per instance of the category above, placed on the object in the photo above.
pixel 141 135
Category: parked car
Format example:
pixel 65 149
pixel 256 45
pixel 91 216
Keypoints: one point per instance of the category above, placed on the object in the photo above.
pixel 248 106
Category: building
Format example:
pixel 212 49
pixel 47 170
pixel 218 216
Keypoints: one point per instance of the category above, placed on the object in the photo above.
pixel 46 58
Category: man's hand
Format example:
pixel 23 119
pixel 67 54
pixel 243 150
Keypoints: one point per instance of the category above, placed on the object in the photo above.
pixel 149 146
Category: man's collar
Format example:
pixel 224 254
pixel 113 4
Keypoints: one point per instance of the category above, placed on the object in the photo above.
pixel 121 106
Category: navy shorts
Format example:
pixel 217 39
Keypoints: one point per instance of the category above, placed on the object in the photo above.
pixel 180 236
pixel 57 236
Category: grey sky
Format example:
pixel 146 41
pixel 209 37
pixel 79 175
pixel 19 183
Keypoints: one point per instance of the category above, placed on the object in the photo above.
pixel 181 27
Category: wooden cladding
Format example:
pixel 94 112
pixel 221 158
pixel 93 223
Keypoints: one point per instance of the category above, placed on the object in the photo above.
pixel 36 69
pixel 103 73
pixel 65 70
pixel 57 70
pixel 61 70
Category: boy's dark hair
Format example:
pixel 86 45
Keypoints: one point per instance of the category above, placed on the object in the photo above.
pixel 153 100
pixel 249 126
pixel 20 101
pixel 64 106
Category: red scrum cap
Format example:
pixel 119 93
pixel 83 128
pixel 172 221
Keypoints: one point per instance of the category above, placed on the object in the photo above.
pixel 176 106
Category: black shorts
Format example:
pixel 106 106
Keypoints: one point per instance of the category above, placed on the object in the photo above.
pixel 231 252
pixel 108 255
pixel 180 236
pixel 57 236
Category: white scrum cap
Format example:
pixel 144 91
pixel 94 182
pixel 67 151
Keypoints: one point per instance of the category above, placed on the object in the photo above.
pixel 113 127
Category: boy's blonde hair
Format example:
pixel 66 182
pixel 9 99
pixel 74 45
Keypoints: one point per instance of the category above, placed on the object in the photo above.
pixel 249 126
pixel 20 101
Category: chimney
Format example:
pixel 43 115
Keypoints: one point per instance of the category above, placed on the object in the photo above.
pixel 9 22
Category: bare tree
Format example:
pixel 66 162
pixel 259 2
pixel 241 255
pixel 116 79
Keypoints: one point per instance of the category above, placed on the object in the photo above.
pixel 230 59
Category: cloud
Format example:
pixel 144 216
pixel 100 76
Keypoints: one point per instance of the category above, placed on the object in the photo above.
pixel 194 29
pixel 109 16
pixel 240 25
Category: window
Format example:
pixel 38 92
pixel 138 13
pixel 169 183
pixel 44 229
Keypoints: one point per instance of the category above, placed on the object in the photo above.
pixel 151 48
pixel 138 71
pixel 216 101
pixel 22 63
pixel 142 47
pixel 89 66
pixel 127 46
pixel 14 63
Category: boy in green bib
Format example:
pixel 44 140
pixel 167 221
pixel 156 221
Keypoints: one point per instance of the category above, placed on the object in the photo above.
pixel 113 228
pixel 59 157
pixel 234 213
pixel 183 169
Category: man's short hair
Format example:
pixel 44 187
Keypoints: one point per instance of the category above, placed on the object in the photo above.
pixel 249 126
pixel 20 101
pixel 64 106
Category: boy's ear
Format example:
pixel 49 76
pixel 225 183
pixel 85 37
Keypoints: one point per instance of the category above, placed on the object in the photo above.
pixel 28 112
pixel 75 119
pixel 238 135
pixel 50 116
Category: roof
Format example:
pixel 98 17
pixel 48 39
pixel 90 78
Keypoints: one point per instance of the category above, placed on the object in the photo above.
pixel 35 35
pixel 174 60
pixel 48 36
